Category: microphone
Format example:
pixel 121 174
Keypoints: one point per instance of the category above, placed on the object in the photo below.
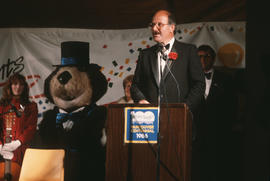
pixel 161 48
pixel 18 113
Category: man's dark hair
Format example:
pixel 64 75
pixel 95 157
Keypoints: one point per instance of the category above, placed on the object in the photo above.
pixel 209 49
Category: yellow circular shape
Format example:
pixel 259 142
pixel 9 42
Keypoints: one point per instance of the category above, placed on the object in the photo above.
pixel 231 55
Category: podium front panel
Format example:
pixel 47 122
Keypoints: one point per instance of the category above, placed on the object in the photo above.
pixel 137 161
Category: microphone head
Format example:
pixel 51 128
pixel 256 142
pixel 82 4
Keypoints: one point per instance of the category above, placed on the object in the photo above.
pixel 160 44
pixel 160 47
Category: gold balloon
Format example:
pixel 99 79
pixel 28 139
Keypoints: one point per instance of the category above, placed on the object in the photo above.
pixel 231 55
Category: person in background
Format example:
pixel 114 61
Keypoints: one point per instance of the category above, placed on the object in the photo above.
pixel 215 119
pixel 18 118
pixel 126 99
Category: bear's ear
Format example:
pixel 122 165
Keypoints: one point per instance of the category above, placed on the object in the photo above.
pixel 98 81
pixel 47 85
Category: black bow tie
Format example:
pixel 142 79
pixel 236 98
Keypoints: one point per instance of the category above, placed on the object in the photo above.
pixel 161 48
pixel 167 46
pixel 208 75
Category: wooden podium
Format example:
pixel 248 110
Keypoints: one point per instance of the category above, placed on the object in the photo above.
pixel 137 161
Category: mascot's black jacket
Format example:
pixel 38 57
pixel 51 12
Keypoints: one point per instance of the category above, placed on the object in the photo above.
pixel 85 156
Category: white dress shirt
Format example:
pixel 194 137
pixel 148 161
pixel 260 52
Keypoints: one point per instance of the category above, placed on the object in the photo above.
pixel 208 83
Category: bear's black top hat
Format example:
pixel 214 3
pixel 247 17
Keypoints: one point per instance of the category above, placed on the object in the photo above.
pixel 74 53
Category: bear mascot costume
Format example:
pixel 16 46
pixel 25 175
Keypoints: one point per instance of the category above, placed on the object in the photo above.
pixel 76 122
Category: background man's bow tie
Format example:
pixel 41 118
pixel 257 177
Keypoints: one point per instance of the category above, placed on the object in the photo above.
pixel 208 75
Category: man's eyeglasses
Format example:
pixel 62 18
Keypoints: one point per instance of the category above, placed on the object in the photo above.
pixel 159 25
pixel 205 56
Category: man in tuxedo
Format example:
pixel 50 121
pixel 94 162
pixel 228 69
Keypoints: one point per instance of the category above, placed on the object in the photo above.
pixel 169 71
pixel 215 119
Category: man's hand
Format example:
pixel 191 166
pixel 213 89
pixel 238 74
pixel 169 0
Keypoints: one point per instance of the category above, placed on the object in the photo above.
pixel 144 102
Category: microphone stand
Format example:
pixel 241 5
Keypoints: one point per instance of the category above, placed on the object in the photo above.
pixel 161 83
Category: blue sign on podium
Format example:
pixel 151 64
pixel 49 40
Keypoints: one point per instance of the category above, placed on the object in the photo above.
pixel 141 124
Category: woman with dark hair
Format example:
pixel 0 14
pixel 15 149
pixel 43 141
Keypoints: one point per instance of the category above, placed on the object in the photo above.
pixel 18 119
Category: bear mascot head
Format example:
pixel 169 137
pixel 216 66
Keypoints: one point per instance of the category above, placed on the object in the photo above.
pixel 75 83
pixel 76 122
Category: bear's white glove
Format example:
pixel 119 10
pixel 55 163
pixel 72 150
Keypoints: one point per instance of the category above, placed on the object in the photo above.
pixel 8 155
pixel 13 145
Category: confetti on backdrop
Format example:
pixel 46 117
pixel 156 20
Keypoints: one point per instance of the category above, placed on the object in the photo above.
pixel 118 56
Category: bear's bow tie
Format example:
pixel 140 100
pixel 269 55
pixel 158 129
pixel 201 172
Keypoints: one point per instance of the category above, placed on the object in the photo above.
pixel 75 116
pixel 63 117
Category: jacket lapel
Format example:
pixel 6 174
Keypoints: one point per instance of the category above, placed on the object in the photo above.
pixel 154 65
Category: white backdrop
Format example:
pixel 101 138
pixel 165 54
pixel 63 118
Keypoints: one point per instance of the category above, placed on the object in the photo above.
pixel 33 51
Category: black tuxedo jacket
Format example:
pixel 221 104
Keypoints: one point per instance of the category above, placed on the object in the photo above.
pixel 219 109
pixel 221 94
pixel 183 83
pixel 213 148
